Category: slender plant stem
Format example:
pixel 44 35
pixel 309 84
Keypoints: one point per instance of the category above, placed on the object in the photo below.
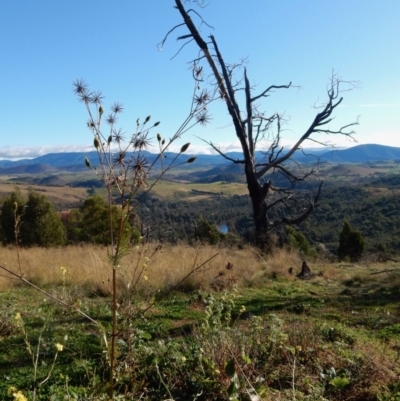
pixel 60 301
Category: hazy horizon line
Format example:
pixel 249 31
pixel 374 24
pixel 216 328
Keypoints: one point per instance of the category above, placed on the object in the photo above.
pixel 15 153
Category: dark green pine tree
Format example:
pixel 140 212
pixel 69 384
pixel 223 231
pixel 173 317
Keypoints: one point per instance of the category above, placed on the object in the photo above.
pixel 41 225
pixel 7 218
pixel 351 243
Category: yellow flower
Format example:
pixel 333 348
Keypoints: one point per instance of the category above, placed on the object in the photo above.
pixel 19 396
pixel 17 316
pixel 59 347
pixel 11 390
pixel 145 277
pixel 63 270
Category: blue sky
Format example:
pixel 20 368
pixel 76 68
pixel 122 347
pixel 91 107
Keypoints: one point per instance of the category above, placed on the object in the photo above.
pixel 46 44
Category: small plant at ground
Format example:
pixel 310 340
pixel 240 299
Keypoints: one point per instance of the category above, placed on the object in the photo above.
pixel 35 353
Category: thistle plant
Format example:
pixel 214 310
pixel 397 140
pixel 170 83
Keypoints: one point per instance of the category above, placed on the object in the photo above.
pixel 124 169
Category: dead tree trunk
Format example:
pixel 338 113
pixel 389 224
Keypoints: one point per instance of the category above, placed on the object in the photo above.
pixel 272 204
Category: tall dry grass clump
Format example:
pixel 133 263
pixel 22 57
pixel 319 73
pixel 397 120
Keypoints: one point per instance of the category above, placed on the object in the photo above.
pixel 167 265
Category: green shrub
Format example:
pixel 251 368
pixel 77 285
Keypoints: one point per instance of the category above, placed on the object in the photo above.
pixel 41 225
pixel 295 239
pixel 351 243
pixel 7 215
pixel 92 223
pixel 208 233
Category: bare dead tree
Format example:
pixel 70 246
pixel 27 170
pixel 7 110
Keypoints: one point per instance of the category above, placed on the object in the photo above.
pixel 274 203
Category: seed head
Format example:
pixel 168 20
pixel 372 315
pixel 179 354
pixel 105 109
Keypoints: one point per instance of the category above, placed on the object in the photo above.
pixel 117 108
pixel 118 136
pixel 111 119
pixel 203 118
pixel 140 143
pixel 184 148
pixel 80 87
pixel 97 97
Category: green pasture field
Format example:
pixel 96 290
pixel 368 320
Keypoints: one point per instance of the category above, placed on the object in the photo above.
pixel 339 338
pixel 352 172
pixel 62 197
pixel 187 191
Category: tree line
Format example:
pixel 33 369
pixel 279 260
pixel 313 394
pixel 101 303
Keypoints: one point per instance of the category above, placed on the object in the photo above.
pixel 34 221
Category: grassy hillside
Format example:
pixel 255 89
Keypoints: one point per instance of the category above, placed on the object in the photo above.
pixel 365 194
pixel 61 197
pixel 333 337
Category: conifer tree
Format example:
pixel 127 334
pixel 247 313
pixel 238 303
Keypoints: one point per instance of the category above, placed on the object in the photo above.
pixel 351 243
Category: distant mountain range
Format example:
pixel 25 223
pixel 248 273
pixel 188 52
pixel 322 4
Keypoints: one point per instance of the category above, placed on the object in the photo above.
pixel 363 154
pixel 53 162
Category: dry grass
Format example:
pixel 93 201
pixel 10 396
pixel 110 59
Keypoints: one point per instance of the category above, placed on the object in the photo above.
pixel 57 195
pixel 165 268
pixel 43 265
pixel 221 267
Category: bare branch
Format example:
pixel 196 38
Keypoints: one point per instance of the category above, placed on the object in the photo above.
pixel 224 155
pixel 265 93
pixel 307 213
pixel 320 119
pixel 161 45
pixel 181 47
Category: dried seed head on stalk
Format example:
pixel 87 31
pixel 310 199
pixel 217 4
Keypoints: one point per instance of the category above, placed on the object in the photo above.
pixel 202 99
pixel 197 72
pixel 80 87
pixel 185 147
pixel 111 119
pixel 119 160
pixel 140 164
pixel 140 167
pixel 203 118
pixel 140 142
pixel 117 108
pixel 97 98
pixel 119 136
